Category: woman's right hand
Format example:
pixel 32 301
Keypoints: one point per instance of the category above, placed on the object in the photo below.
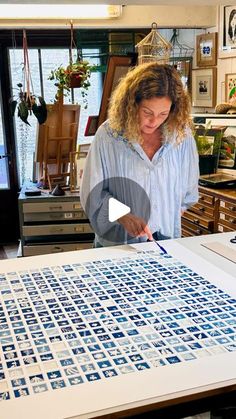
pixel 135 226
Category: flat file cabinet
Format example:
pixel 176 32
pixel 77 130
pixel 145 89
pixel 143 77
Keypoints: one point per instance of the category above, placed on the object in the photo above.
pixel 215 212
pixel 50 224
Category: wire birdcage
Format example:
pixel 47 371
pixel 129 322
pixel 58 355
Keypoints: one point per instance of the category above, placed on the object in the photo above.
pixel 153 48
pixel 179 51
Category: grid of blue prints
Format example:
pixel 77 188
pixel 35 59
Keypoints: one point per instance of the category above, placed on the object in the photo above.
pixel 66 325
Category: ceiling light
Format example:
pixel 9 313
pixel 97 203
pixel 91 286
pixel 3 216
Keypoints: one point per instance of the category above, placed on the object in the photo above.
pixel 59 11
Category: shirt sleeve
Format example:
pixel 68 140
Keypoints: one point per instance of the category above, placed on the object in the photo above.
pixel 190 172
pixel 94 195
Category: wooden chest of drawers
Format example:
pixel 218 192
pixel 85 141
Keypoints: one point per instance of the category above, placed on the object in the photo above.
pixel 214 212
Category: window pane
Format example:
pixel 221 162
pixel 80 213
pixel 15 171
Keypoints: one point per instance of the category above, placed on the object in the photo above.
pixel 25 134
pixel 94 95
pixel 51 59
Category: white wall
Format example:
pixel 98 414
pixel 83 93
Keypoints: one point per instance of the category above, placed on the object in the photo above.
pixel 224 66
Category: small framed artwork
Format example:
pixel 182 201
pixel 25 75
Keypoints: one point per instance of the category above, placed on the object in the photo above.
pixel 230 87
pixel 227 31
pixel 91 126
pixel 204 87
pixel 206 49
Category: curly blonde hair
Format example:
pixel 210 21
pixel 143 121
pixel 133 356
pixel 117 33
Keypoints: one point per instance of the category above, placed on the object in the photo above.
pixel 145 82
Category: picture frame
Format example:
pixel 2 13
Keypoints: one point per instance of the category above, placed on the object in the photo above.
pixel 77 163
pixel 204 87
pixel 206 47
pixel 230 87
pixel 227 35
pixel 117 67
pixel 91 126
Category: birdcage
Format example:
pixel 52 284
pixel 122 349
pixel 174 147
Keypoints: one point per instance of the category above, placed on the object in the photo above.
pixel 153 48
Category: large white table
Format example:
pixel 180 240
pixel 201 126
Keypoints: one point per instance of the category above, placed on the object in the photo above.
pixel 140 391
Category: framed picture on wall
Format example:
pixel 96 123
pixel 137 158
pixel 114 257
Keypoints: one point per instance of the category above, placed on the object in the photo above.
pixel 206 46
pixel 227 31
pixel 204 87
pixel 91 126
pixel 230 87
pixel 117 67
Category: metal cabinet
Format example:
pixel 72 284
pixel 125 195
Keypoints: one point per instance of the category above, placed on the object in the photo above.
pixel 50 224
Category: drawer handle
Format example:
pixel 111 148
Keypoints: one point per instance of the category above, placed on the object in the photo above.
pixel 196 221
pixel 232 208
pixel 79 214
pixel 202 209
pixel 59 207
pixel 57 230
pixel 57 249
pixel 79 229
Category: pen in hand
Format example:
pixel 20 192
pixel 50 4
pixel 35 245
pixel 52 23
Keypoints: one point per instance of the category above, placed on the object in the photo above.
pixel 160 247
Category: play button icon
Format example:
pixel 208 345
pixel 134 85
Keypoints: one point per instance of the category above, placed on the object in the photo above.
pixel 116 209
pixel 111 199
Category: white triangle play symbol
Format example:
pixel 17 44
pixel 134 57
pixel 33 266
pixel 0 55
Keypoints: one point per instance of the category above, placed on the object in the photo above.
pixel 116 209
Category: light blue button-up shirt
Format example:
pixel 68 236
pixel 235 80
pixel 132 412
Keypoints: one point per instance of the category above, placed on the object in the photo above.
pixel 170 180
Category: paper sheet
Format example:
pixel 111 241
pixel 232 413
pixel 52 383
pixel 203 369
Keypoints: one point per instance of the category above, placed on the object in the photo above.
pixel 221 250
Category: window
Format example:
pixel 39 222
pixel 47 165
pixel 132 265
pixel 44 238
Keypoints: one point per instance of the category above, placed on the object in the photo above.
pixel 42 61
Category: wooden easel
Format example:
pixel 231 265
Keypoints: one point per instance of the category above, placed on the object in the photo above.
pixel 57 138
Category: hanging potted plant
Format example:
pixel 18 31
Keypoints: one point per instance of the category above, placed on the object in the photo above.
pixel 75 75
pixel 26 102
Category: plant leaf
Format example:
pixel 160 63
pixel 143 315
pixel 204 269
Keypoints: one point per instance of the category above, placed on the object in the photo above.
pixel 40 112
pixel 23 112
pixel 13 104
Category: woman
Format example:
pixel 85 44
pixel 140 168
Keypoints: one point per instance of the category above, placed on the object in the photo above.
pixel 146 140
pixel 232 26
